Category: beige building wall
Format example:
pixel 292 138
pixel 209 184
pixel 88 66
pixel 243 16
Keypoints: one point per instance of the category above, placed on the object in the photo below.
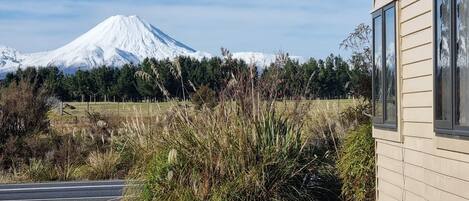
pixel 413 164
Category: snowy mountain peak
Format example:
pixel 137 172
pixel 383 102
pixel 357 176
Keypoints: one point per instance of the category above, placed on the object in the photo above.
pixel 114 42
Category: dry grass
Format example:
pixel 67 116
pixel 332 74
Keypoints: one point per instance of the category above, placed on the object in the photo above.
pixel 250 147
pixel 101 165
pixel 121 109
pixel 76 119
pixel 11 178
pixel 217 151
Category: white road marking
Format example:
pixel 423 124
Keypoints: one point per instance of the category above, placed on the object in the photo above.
pixel 61 183
pixel 80 198
pixel 61 188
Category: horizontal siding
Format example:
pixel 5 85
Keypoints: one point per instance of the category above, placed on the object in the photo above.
pixel 420 173
pixel 417 39
pixel 416 144
pixel 390 176
pixel 405 3
pixel 415 9
pixel 444 166
pixel 418 23
pixel 386 197
pixel 422 99
pixel 420 53
pixel 390 189
pixel 416 170
pixel 417 69
pixel 390 164
pixel 418 84
pixel 409 196
pixel 415 187
pixel 434 194
pixel 389 151
pixel 419 115
pixel 428 146
pixel 438 181
pixel 417 129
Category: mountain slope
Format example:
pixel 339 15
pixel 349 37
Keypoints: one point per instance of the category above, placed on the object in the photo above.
pixel 116 41
pixel 10 59
pixel 260 59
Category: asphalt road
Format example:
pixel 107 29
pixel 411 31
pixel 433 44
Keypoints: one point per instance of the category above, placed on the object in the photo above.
pixel 88 190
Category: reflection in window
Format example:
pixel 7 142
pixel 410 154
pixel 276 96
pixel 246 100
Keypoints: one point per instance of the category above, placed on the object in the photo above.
pixel 462 65
pixel 384 67
pixel 443 68
pixel 378 68
pixel 390 84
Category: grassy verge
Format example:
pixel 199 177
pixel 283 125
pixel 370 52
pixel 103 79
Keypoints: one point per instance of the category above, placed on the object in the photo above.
pixel 245 148
pixel 74 149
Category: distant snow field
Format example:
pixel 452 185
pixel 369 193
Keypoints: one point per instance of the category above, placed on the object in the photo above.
pixel 116 41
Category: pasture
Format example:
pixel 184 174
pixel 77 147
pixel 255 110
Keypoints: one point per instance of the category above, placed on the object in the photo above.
pixel 149 109
pixel 75 114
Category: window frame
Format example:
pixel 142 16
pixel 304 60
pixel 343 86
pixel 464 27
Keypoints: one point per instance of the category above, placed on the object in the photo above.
pixel 380 122
pixel 447 127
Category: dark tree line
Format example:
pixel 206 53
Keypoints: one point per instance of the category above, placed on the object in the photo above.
pixel 332 77
pixel 326 79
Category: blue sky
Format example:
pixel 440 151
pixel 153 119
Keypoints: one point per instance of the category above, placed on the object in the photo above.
pixel 308 28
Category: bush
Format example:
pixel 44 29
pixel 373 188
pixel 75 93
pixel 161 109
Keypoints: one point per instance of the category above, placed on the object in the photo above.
pixel 204 96
pixel 356 165
pixel 23 112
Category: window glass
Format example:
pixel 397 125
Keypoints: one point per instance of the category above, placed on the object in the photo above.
pixel 390 70
pixel 462 67
pixel 378 67
pixel 443 67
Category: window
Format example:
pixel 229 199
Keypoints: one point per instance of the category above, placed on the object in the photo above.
pixel 452 67
pixel 384 67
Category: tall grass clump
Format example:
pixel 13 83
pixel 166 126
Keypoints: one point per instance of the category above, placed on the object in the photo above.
pixel 236 159
pixel 102 165
pixel 226 156
pixel 39 170
pixel 357 165
pixel 243 149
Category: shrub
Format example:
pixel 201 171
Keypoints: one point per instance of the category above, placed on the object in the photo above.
pixel 23 112
pixel 356 165
pixel 204 96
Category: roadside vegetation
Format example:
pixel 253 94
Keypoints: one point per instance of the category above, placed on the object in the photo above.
pixel 229 133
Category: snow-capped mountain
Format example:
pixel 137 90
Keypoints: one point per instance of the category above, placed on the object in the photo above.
pixel 116 41
pixel 260 59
